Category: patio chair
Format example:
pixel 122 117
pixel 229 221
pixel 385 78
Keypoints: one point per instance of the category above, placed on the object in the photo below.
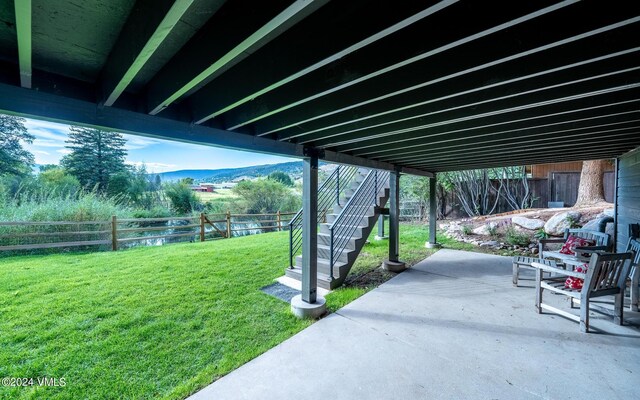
pixel 606 275
pixel 634 275
pixel 525 262
pixel 602 243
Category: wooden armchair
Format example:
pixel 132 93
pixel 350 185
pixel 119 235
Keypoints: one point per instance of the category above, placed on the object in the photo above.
pixel 634 275
pixel 606 275
pixel 602 243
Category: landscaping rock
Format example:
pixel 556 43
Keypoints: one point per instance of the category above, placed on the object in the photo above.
pixel 556 225
pixel 528 223
pixel 484 229
pixel 490 243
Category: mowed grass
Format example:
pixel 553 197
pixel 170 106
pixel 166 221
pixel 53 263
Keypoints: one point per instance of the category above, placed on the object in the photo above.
pixel 217 194
pixel 143 323
pixel 155 322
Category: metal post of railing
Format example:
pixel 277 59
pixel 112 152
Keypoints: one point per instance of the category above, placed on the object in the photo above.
pixel 291 245
pixel 331 254
pixel 338 186
pixel 375 187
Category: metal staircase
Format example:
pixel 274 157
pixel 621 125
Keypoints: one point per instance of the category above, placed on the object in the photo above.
pixel 356 197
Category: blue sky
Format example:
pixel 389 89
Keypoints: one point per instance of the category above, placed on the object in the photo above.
pixel 158 155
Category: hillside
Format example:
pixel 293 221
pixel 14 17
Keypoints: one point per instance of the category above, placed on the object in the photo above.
pixel 293 168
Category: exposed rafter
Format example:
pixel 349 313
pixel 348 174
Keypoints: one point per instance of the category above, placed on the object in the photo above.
pixel 23 31
pixel 148 26
pixel 201 101
pixel 240 120
pixel 388 112
pixel 538 110
pixel 426 85
pixel 162 96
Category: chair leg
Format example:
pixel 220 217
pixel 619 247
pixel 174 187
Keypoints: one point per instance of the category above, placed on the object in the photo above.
pixel 584 314
pixel 539 290
pixel 619 309
pixel 634 292
pixel 571 303
pixel 516 272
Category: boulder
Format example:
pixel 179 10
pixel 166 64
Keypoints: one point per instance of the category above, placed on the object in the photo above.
pixel 528 223
pixel 556 225
pixel 490 243
pixel 484 229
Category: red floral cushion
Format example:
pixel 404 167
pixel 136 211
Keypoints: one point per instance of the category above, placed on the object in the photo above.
pixel 576 283
pixel 575 241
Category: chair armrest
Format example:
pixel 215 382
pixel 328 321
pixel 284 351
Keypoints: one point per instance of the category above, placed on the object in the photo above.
pixel 559 271
pixel 552 240
pixel 590 249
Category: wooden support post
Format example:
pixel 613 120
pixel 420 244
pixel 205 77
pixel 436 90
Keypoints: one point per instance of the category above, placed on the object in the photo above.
pixel 279 222
pixel 228 224
pixel 310 229
pixel 202 227
pixel 114 233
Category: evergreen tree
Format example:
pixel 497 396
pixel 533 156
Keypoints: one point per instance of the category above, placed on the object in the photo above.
pixel 95 156
pixel 14 159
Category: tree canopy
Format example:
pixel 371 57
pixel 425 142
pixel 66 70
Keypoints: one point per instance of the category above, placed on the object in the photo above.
pixel 281 177
pixel 14 158
pixel 95 156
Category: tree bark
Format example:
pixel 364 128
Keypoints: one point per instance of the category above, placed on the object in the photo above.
pixel 591 189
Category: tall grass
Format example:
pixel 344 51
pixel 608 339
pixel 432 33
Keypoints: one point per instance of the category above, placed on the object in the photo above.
pixel 80 206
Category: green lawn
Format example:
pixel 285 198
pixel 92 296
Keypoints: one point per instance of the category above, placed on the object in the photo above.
pixel 156 322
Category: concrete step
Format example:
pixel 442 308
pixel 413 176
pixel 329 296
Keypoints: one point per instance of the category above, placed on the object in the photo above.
pixel 324 281
pixel 331 218
pixel 355 229
pixel 325 239
pixel 323 266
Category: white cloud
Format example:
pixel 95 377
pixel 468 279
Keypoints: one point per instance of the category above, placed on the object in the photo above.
pixel 153 167
pixel 41 152
pixel 63 151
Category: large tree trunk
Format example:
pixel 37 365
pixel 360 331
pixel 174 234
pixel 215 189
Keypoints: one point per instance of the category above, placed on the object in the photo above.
pixel 591 190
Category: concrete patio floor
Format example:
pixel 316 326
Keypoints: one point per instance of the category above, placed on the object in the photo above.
pixel 451 327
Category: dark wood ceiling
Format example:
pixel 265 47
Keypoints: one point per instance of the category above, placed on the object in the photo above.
pixel 419 85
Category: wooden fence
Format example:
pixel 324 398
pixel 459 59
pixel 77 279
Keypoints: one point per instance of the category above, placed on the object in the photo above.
pixel 120 233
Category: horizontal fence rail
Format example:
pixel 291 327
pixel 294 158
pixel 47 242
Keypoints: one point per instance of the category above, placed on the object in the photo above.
pixel 119 233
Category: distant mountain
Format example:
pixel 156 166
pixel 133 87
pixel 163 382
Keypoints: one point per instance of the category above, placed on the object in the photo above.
pixel 293 168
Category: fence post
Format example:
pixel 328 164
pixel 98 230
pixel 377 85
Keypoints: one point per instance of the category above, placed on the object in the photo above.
pixel 279 222
pixel 114 233
pixel 202 227
pixel 228 224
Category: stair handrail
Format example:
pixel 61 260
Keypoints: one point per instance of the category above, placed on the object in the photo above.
pixel 329 192
pixel 345 225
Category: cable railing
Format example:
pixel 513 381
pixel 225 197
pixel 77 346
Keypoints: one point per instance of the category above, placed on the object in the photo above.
pixel 356 209
pixel 329 194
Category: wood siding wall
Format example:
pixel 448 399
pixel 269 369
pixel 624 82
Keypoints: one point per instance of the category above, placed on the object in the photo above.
pixel 628 196
pixel 543 170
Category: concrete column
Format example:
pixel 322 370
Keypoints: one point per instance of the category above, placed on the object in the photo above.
pixel 433 215
pixel 307 304
pixel 393 264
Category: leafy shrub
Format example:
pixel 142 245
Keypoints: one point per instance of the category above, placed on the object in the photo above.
pixel 265 196
pixel 515 238
pixel 155 212
pixel 183 199
pixel 541 234
pixel 573 223
pixel 467 230
pixel 492 230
